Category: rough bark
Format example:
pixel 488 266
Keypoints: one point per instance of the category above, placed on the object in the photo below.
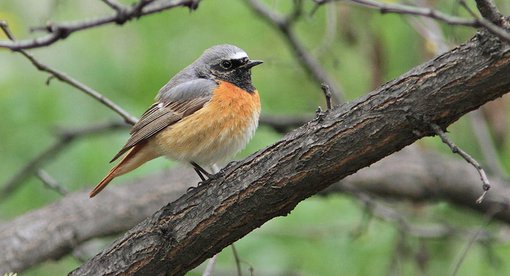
pixel 55 230
pixel 411 174
pixel 274 180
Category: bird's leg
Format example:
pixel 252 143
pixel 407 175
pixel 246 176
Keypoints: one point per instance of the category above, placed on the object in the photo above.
pixel 202 173
pixel 202 177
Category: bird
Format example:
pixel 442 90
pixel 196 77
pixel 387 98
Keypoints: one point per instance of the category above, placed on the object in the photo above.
pixel 203 115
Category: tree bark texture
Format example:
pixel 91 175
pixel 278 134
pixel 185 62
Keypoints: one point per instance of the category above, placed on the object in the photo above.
pixel 274 180
pixel 55 230
pixel 411 174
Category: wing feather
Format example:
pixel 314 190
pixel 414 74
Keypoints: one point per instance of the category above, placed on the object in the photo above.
pixel 173 105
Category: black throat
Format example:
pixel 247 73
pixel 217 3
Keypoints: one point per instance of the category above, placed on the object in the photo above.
pixel 241 78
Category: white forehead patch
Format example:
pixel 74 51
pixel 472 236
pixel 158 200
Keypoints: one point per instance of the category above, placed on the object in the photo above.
pixel 238 55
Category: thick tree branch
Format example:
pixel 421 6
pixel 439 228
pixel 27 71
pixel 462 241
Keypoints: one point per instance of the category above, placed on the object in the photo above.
pixel 411 174
pixel 55 230
pixel 273 181
pixel 60 31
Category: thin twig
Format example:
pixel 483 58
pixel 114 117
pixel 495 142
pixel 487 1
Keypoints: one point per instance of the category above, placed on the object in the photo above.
pixel 403 224
pixel 307 61
pixel 427 12
pixel 488 24
pixel 50 182
pixel 435 14
pixel 464 252
pixel 455 149
pixel 489 11
pixel 327 93
pixel 421 11
pixel 237 260
pixel 61 31
pixel 118 7
pixel 65 138
pixel 71 81
pixel 138 7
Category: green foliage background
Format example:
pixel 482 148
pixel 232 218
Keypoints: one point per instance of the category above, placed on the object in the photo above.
pixel 130 63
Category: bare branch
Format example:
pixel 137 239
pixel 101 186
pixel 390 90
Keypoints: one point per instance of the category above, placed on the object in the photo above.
pixel 385 7
pixel 50 182
pixel 327 93
pixel 455 149
pixel 281 124
pixel 464 252
pixel 421 11
pixel 274 180
pixel 116 6
pixel 71 81
pixel 404 225
pixel 237 260
pixel 65 138
pixel 489 11
pixel 57 229
pixel 63 30
pixel 307 61
pixel 412 175
pixel 490 26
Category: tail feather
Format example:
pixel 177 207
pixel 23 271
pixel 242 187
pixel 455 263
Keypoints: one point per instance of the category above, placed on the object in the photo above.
pixel 102 184
pixel 135 157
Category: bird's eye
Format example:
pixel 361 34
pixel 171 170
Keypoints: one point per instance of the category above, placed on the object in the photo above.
pixel 226 64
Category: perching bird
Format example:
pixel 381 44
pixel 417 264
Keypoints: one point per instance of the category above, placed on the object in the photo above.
pixel 204 115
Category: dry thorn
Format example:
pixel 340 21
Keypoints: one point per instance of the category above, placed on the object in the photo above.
pixel 483 176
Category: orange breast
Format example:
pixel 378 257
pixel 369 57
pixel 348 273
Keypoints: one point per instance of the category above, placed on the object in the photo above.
pixel 217 131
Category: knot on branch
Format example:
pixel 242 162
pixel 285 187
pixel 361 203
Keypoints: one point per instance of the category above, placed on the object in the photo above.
pixel 123 16
pixel 58 31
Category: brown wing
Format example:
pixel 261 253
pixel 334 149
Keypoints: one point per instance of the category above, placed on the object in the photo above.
pixel 177 103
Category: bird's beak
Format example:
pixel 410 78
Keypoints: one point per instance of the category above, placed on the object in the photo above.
pixel 253 63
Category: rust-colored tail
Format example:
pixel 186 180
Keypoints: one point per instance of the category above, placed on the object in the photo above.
pixel 135 157
pixel 109 177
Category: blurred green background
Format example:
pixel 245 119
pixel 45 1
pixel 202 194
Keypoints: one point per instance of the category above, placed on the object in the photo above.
pixel 360 48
